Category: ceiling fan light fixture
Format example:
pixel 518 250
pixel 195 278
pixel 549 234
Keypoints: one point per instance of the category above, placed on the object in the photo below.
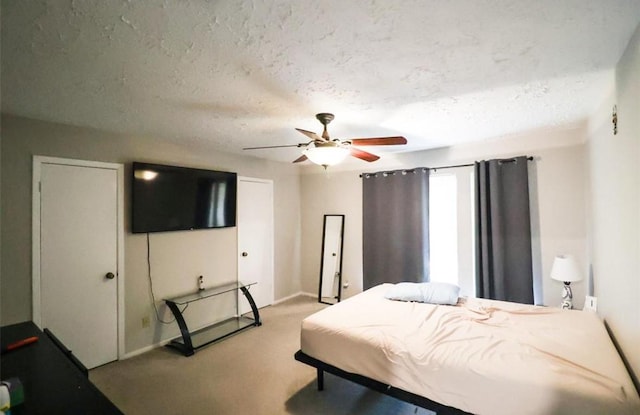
pixel 324 151
pixel 326 154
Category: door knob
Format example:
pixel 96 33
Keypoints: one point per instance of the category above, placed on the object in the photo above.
pixel 110 275
pixel 245 254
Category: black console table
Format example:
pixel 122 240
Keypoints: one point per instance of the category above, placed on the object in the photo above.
pixel 53 383
pixel 191 341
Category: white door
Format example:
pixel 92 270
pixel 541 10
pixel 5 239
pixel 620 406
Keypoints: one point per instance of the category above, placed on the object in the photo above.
pixel 78 258
pixel 255 239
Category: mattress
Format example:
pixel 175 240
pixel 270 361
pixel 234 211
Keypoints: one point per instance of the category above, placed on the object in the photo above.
pixel 480 356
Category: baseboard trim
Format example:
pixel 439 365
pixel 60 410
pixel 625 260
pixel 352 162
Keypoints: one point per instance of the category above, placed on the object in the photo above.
pixel 145 349
pixel 289 297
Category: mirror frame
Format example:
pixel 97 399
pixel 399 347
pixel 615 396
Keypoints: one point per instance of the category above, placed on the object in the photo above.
pixel 324 230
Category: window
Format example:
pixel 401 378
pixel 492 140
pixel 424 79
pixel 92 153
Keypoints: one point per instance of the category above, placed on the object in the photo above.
pixel 451 237
pixel 443 228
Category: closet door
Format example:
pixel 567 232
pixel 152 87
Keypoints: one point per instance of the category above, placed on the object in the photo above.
pixel 255 239
pixel 77 264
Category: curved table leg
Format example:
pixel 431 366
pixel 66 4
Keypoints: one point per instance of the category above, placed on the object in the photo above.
pixel 254 308
pixel 186 337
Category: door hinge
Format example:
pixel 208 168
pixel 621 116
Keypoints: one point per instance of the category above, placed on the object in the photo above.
pixel 40 187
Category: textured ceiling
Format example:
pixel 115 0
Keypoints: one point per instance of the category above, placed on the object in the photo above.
pixel 245 73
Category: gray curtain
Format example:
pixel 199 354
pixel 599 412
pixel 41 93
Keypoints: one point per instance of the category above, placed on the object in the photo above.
pixel 503 231
pixel 395 226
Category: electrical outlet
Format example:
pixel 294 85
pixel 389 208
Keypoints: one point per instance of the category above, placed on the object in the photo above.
pixel 146 322
pixel 591 303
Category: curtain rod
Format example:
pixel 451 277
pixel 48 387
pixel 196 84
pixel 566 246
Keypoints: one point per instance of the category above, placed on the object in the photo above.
pixel 530 158
pixel 471 164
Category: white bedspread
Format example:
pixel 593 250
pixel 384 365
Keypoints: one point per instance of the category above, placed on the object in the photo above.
pixel 481 356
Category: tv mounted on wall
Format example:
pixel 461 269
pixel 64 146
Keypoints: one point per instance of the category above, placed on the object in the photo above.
pixel 171 198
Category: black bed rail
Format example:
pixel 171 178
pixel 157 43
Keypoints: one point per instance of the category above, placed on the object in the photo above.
pixel 375 385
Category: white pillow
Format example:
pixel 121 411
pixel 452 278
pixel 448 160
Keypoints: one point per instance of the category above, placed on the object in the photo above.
pixel 425 292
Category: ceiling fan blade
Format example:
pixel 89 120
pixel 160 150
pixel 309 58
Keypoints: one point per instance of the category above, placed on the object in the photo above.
pixel 378 141
pixel 311 135
pixel 301 158
pixel 282 146
pixel 362 155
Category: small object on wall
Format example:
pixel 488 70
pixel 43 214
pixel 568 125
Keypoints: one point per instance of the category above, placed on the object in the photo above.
pixel 590 304
pixel 614 119
pixel 201 283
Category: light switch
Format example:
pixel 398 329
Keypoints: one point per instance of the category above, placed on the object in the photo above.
pixel 591 303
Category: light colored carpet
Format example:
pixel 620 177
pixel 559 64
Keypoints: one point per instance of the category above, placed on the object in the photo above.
pixel 253 372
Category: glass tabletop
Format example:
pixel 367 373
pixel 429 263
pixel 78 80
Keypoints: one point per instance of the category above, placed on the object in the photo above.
pixel 209 292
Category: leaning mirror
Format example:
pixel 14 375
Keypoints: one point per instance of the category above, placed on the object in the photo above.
pixel 331 259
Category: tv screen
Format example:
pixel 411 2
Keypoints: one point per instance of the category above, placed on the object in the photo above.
pixel 169 198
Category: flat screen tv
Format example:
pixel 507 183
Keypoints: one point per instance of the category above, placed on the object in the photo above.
pixel 170 198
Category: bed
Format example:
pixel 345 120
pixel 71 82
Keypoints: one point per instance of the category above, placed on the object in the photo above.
pixel 479 356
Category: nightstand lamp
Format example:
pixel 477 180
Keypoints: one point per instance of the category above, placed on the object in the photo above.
pixel 565 269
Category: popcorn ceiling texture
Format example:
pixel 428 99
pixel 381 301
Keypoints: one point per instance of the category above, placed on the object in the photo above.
pixel 231 74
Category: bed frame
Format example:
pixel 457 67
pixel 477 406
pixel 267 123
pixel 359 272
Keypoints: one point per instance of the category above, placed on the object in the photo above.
pixel 373 384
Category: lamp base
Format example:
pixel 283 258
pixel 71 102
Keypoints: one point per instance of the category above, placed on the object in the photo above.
pixel 567 296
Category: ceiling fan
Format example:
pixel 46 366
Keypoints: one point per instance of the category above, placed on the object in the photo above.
pixel 324 151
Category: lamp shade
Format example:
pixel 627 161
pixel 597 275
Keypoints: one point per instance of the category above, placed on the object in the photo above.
pixel 326 154
pixel 565 268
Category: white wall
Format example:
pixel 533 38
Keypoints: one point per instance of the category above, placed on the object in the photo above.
pixel 558 186
pixel 177 257
pixel 329 193
pixel 614 172
pixel 561 187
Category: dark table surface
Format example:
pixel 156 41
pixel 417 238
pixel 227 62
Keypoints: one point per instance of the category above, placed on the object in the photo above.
pixel 51 382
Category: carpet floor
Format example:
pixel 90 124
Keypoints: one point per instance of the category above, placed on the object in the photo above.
pixel 253 372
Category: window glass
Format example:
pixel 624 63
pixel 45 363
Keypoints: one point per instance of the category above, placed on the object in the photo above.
pixel 443 228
